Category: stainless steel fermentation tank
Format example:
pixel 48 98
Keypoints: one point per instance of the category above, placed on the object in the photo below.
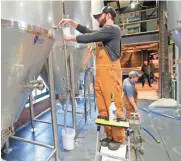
pixel 80 12
pixel 24 51
pixel 27 39
pixel 174 28
pixel 174 21
pixel 69 57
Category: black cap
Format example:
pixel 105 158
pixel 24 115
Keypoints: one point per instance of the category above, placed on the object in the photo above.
pixel 106 9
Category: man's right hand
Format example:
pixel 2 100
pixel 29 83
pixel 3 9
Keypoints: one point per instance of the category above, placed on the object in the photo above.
pixel 136 109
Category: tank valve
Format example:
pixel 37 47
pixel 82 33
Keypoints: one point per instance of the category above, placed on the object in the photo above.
pixel 35 84
pixel 56 27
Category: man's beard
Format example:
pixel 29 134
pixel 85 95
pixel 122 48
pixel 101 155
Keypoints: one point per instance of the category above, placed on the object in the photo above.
pixel 103 21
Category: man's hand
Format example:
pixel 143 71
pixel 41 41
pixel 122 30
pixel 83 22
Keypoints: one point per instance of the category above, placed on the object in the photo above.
pixel 70 38
pixel 135 108
pixel 64 22
pixel 68 21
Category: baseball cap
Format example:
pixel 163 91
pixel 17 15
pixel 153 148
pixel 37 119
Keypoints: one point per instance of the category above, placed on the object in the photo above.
pixel 134 74
pixel 106 9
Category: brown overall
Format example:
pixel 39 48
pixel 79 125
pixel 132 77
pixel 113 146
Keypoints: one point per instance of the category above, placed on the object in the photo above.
pixel 108 79
pixel 129 107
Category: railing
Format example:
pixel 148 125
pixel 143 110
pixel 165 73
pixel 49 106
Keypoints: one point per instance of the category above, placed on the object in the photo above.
pixel 138 22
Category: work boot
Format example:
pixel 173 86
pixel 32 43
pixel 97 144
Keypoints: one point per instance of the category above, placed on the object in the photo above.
pixel 113 145
pixel 105 142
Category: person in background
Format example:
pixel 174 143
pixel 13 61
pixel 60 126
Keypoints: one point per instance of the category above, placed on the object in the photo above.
pixel 108 68
pixel 151 71
pixel 146 73
pixel 156 67
pixel 130 93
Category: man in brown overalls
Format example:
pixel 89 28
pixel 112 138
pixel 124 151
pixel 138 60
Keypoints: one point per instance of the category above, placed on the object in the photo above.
pixel 130 93
pixel 108 67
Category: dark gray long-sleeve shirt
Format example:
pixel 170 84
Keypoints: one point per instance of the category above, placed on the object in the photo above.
pixel 110 35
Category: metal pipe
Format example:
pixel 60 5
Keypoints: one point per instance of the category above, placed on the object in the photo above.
pixel 47 110
pixel 66 64
pixel 51 155
pixel 85 100
pixel 151 14
pixel 89 94
pixel 66 125
pixel 97 142
pixel 179 78
pixel 7 149
pixel 73 93
pixel 83 97
pixel 48 122
pixel 165 74
pixel 53 108
pixel 94 75
pixel 32 142
pixel 83 114
pixel 68 82
pixel 78 122
pixel 178 66
pixel 65 112
pixel 129 145
pixel 42 121
pixel 32 112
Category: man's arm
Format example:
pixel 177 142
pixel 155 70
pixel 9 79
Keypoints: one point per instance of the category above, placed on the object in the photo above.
pixel 130 95
pixel 100 35
pixel 75 25
pixel 83 29
pixel 133 103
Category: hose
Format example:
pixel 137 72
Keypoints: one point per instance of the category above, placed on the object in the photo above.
pixel 157 113
pixel 146 130
pixel 160 114
pixel 94 94
pixel 85 101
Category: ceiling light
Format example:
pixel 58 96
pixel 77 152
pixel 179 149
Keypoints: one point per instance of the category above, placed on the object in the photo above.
pixel 133 5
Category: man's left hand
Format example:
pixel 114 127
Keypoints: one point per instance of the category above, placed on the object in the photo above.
pixel 70 38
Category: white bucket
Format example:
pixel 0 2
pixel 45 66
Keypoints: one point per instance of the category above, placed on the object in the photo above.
pixel 68 138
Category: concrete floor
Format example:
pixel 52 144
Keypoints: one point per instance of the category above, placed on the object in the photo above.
pixel 168 131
